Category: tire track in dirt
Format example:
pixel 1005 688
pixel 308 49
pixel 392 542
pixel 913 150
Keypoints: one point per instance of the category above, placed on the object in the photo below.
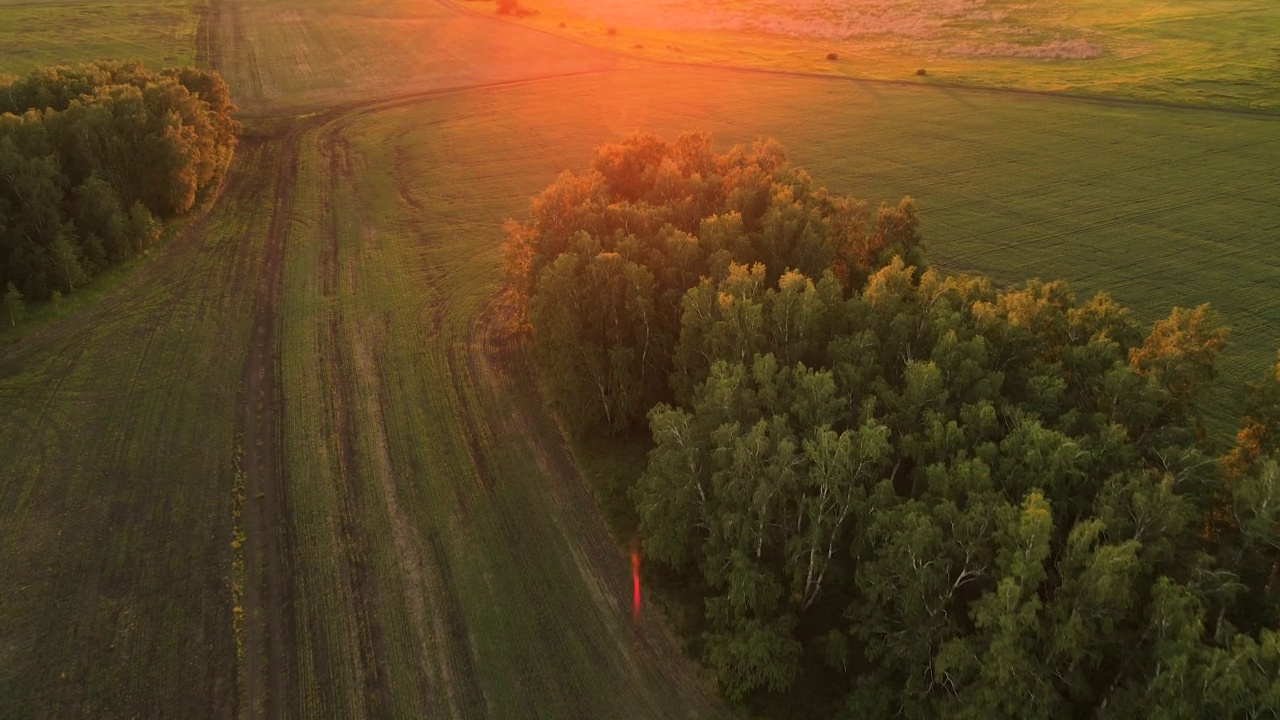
pixel 447 684
pixel 446 664
pixel 239 43
pixel 362 589
pixel 267 523
pixel 206 23
pixel 269 673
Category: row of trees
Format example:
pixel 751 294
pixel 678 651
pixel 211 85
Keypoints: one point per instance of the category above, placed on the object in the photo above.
pixel 877 491
pixel 92 157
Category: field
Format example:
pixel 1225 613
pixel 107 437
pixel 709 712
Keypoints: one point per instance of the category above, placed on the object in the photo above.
pixel 56 32
pixel 304 404
pixel 283 57
pixel 1204 52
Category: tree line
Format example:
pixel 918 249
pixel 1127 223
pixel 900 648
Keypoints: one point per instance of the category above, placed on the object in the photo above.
pixel 92 158
pixel 877 491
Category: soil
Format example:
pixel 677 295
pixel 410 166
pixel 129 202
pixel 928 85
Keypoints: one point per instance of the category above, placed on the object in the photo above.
pixel 267 524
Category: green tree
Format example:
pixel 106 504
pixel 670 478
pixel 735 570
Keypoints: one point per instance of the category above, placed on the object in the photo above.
pixel 13 304
pixel 1026 487
pixel 1179 353
pixel 67 260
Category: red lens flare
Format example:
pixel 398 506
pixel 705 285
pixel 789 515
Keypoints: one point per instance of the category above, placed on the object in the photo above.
pixel 635 579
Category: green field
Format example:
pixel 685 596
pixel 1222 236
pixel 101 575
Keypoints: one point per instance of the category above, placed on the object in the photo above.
pixel 161 33
pixel 1203 52
pixel 283 57
pixel 418 540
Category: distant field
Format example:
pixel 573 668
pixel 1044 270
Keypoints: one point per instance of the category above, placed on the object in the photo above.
pixel 283 57
pixel 161 33
pixel 1214 52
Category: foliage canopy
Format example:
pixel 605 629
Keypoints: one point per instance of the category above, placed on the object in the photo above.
pixel 600 270
pixel 91 156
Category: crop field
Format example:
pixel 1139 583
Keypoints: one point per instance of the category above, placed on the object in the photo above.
pixel 117 435
pixel 1211 52
pixel 58 32
pixel 294 465
pixel 283 57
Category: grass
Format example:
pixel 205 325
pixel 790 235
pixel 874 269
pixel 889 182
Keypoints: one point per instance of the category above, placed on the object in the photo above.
pixel 1210 52
pixel 160 33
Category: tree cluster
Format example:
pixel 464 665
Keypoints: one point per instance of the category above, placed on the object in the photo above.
pixel 92 157
pixel 876 491
pixel 952 500
pixel 600 270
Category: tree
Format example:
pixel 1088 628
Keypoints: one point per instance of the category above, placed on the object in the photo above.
pixel 67 260
pixel 13 304
pixel 1179 353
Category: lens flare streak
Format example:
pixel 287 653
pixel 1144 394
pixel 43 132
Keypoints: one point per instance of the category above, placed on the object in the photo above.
pixel 635 580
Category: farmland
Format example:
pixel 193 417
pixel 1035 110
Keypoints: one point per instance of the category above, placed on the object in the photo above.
pixel 319 355
pixel 1201 52
pixel 59 32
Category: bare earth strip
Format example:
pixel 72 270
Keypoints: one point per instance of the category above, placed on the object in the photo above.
pixel 267 522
